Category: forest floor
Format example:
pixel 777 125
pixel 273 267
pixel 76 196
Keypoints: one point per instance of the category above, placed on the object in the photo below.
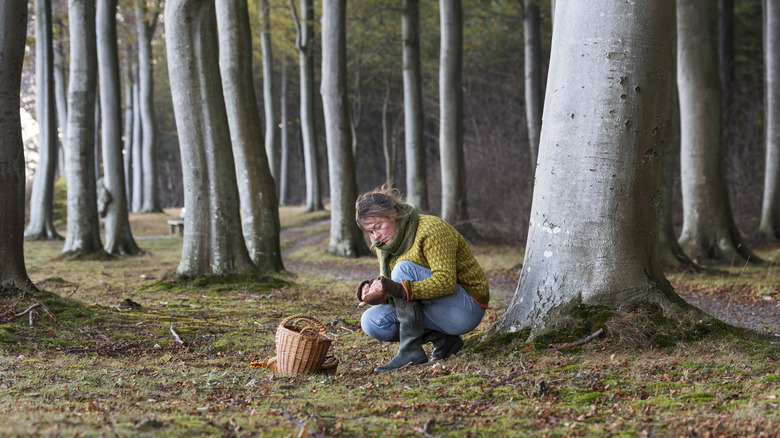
pixel 119 347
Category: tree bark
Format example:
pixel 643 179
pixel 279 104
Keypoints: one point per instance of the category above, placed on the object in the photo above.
pixel 346 239
pixel 769 228
pixel 213 243
pixel 61 98
pixel 83 234
pixel 709 232
pixel 670 254
pixel 593 232
pixel 13 32
pixel 454 208
pixel 138 145
pixel 146 21
pixel 268 97
pixel 284 166
pixel 305 45
pixel 533 76
pixel 128 128
pixel 118 238
pixel 414 119
pixel 41 225
pixel 257 190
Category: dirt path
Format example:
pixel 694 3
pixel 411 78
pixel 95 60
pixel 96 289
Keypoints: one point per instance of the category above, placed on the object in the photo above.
pixel 760 314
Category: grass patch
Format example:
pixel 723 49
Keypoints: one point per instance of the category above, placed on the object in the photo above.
pixel 110 365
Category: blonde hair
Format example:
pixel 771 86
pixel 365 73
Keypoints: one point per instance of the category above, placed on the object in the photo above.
pixel 385 201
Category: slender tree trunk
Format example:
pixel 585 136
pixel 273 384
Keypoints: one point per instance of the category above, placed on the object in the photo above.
pixel 769 228
pixel 386 134
pixel 305 46
pixel 83 235
pixel 96 142
pixel 128 127
pixel 533 76
pixel 268 96
pixel 137 154
pixel 41 225
pixel 726 51
pixel 13 32
pixel 118 238
pixel 213 243
pixel 146 21
pixel 61 99
pixel 346 239
pixel 598 178
pixel 414 119
pixel 709 231
pixel 257 190
pixel 453 168
pixel 284 166
pixel 670 254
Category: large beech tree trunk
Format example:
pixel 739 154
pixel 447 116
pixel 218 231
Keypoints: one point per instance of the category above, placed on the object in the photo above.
pixel 709 232
pixel 305 45
pixel 259 203
pixel 769 228
pixel 346 239
pixel 213 242
pixel 13 33
pixel 41 225
pixel 83 234
pixel 454 208
pixel 593 232
pixel 118 238
pixel 416 182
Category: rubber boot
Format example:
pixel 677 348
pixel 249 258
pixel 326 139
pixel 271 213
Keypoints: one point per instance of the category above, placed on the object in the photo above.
pixel 444 345
pixel 410 333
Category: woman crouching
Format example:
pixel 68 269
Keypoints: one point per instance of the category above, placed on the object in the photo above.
pixel 436 288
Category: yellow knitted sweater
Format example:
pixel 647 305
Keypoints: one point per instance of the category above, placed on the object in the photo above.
pixel 440 248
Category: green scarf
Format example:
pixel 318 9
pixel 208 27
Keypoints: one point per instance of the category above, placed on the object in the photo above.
pixel 405 230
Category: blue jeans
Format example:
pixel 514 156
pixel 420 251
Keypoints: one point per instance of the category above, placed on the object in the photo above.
pixel 453 314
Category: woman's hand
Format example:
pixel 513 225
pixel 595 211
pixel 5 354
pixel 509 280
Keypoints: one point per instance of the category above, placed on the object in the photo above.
pixel 370 292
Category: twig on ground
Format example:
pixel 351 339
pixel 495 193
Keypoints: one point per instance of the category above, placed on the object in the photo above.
pixel 24 312
pixel 575 344
pixel 47 311
pixel 304 429
pixel 73 291
pixel 176 336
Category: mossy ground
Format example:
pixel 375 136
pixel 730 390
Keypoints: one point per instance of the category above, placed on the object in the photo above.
pixel 110 364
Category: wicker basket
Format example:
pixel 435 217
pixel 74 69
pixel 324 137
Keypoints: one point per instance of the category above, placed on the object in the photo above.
pixel 301 345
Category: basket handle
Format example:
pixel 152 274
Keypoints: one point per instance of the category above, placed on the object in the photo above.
pixel 312 321
pixel 310 332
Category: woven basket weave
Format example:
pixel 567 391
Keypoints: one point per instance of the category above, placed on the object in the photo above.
pixel 301 345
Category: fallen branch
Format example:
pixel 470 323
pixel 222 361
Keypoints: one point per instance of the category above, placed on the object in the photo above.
pixel 176 336
pixel 25 311
pixel 578 343
pixel 47 311
pixel 304 429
